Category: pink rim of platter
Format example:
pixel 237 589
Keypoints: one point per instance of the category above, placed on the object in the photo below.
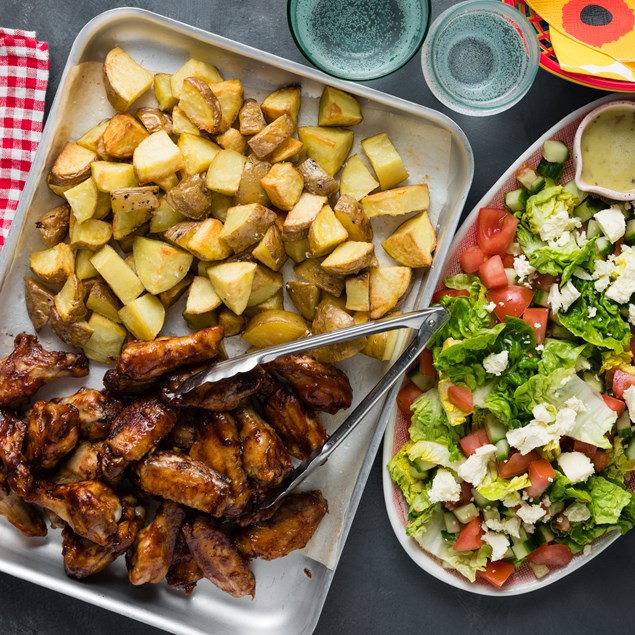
pixel 549 61
pixel 523 580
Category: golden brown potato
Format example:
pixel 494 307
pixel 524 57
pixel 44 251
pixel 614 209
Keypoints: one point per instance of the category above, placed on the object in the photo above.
pixel 385 160
pixel 159 265
pixel 225 172
pixel 388 286
pixel 69 302
pixel 275 302
pixel 131 208
pixel 329 317
pixel 413 242
pixel 90 139
pixel 273 327
pixel 169 297
pixel 232 281
pixel 246 225
pixel 265 284
pixel 358 292
pixel 232 324
pixel 272 136
pixel 83 267
pixel 311 271
pixel 201 297
pixel 297 250
pixel 231 139
pixel 305 297
pixel 270 250
pixel 154 120
pixel 122 135
pixel 251 118
pixel 350 213
pixel 163 91
pixel 298 221
pixel 125 80
pixel 329 147
pixel 105 341
pixel 92 234
pixel 325 233
pixel 284 101
pixel 74 334
pixel 198 152
pixel 191 197
pixel 54 264
pixel 54 224
pixel 338 108
pixel 349 257
pixel 39 301
pixel 72 165
pixel 109 175
pixel 83 200
pixel 250 189
pixel 143 317
pixel 283 185
pixel 290 148
pixel 156 157
pixel 119 276
pixel 230 97
pixel 202 239
pixel 356 180
pixel 316 180
pixel 200 105
pixel 182 125
pixel 397 202
pixel 193 68
pixel 103 301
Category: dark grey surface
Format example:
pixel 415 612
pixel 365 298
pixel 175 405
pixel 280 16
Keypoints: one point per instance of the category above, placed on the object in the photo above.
pixel 377 588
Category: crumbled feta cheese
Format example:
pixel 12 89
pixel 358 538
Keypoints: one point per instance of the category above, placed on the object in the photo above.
pixel 602 270
pixel 582 274
pixel 445 488
pixel 577 467
pixel 475 466
pixel 490 307
pixel 554 299
pixel 568 295
pixel 631 313
pixel 629 398
pixel 586 550
pixel 575 404
pixel 540 347
pixel 612 223
pixel 545 501
pixel 624 286
pixel 561 240
pixel 509 526
pixel 522 267
pixel 496 363
pixel 557 223
pixel 529 514
pixel 580 238
pixel 498 542
pixel 544 428
pixel 577 512
pixel 592 312
pixel 512 499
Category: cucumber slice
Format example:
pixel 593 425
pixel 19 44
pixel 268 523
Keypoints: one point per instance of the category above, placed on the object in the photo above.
pixel 555 151
pixel 629 236
pixel 421 381
pixel 588 208
pixel 531 181
pixel 556 508
pixel 543 535
pixel 516 200
pixel 550 170
pixel 523 549
pixel 573 189
pixel 629 451
pixel 496 429
pixel 593 229
pixel 466 513
pixel 480 500
pixel 592 380
pixel 623 426
pixel 491 514
pixel 541 298
pixel 539 570
pixel 512 277
pixel 502 450
pixel 452 525
pixel 603 246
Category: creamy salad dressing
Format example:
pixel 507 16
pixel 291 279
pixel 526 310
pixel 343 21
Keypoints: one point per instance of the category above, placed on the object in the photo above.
pixel 608 150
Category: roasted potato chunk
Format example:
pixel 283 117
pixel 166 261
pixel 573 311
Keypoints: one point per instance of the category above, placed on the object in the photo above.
pixel 273 327
pixel 298 221
pixel 154 120
pixel 131 208
pixel 157 156
pixel 125 80
pixel 119 276
pixel 103 301
pixel 72 166
pixel 159 265
pixel 246 225
pixel 225 172
pixel 54 224
pixel 54 264
pixel 265 284
pixel 350 213
pixel 198 153
pixel 105 341
pixel 230 97
pixel 311 271
pixel 283 185
pixel 169 297
pixel 91 139
pixel 92 234
pixel 201 297
pixel 356 180
pixel 231 139
pixel 109 176
pixel 72 333
pixel 250 117
pixel 201 239
pixel 84 270
pixel 270 250
pixel 69 302
pixel 325 233
pixel 329 147
pixel 305 297
pixel 163 91
pixel 123 134
pixel 358 292
pixel 164 216
pixel 329 317
pixel 288 149
pixel 83 200
pixel 191 197
pixel 385 160
pixel 271 136
pixel 413 242
pixel 338 108
pixel 284 101
pixel 232 281
pixel 39 302
pixel 232 324
pixel 250 189
pixel 397 202
pixel 297 250
pixel 143 317
pixel 200 105
pixel 349 257
pixel 182 125
pixel 388 286
pixel 193 68
pixel 316 180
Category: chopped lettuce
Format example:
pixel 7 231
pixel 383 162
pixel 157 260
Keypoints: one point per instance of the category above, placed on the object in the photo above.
pixel 607 500
pixel 621 466
pixel 559 354
pixel 431 453
pixel 495 488
pixel 543 207
pixel 563 489
pixel 405 474
pixel 421 509
pixel 606 328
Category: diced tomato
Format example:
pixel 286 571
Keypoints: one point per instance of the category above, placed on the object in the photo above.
pixel 508 260
pixel 495 230
pixel 461 397
pixel 614 404
pixel 622 381
pixel 426 367
pixel 562 522
pixel 512 300
pixel 537 319
pixel 464 499
pixel 471 442
pixel 541 475
pixel 516 464
pixel 497 573
pixel 601 460
pixel 408 394
pixel 543 281
pixel 454 293
pixel 585 448
pixel 553 555
pixel 472 258
pixel 471 536
pixel 492 273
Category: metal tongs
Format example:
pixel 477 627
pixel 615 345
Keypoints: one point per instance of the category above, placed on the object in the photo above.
pixel 426 321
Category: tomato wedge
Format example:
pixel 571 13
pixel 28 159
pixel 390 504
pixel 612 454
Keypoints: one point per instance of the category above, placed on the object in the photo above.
pixel 495 230
pixel 471 536
pixel 497 573
pixel 426 367
pixel 614 404
pixel 511 300
pixel 453 293
pixel 555 555
pixel 471 442
pixel 621 382
pixel 408 394
pixel 465 498
pixel 541 475
pixel 472 258
pixel 537 319
pixel 516 464
pixel 461 397
pixel 585 448
pixel 508 260
pixel 492 273
pixel 543 281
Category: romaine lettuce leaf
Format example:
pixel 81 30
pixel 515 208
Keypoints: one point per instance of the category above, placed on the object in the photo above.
pixel 545 205
pixel 405 475
pixel 433 453
pixel 607 500
pixel 559 354
pixel 563 489
pixel 495 488
pixel 421 509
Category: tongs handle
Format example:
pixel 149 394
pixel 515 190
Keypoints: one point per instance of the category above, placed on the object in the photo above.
pixel 434 318
pixel 247 362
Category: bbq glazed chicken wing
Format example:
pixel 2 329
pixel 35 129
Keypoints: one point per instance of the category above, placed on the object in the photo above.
pixel 141 360
pixel 96 412
pixel 83 558
pixel 83 465
pixel 218 558
pixel 12 435
pixel 21 515
pixel 29 367
pixel 52 432
pixel 290 528
pixel 265 459
pixel 182 479
pixel 150 558
pixel 183 573
pixel 298 427
pixel 124 386
pixel 318 385
pixel 218 445
pixel 91 508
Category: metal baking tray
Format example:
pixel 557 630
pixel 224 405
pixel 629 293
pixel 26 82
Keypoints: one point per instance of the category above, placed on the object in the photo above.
pixel 290 592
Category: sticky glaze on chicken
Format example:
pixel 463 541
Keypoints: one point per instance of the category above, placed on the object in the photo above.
pixel 84 464
pixel 183 573
pixel 21 515
pixel 29 367
pixel 12 436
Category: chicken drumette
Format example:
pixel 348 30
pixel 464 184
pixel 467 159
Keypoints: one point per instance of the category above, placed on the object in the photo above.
pixel 183 573
pixel 12 436
pixel 21 515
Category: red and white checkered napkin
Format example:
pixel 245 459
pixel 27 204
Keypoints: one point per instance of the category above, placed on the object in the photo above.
pixel 24 72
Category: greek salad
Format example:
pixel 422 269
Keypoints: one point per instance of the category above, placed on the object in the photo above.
pixel 521 439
